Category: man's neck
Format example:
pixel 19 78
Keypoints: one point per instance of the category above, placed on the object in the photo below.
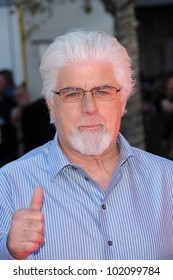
pixel 100 168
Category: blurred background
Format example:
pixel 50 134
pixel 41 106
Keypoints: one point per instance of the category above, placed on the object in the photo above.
pixel 144 27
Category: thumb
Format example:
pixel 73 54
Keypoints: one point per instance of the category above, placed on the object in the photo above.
pixel 37 199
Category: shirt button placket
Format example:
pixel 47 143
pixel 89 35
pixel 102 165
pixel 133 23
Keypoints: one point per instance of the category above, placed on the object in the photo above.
pixel 110 243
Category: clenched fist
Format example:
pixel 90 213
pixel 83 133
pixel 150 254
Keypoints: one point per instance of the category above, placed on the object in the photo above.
pixel 27 228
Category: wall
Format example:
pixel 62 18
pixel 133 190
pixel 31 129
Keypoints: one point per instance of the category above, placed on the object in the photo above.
pixel 10 55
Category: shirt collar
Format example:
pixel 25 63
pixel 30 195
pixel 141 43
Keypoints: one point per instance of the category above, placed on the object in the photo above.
pixel 56 158
pixel 126 150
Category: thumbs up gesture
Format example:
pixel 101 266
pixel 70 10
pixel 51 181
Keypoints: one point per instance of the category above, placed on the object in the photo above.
pixel 27 229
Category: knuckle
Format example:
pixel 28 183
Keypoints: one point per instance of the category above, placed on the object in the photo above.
pixel 19 213
pixel 41 227
pixel 40 216
pixel 38 238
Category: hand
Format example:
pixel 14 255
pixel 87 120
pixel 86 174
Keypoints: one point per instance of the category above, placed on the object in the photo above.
pixel 27 229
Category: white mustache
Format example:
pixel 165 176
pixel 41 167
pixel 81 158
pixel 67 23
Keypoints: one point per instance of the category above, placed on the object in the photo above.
pixel 91 122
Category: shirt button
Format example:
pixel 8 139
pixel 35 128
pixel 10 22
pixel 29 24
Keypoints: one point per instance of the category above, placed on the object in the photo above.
pixel 74 168
pixel 86 178
pixel 110 243
pixel 104 206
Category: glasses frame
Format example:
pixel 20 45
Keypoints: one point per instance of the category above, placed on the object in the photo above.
pixel 84 93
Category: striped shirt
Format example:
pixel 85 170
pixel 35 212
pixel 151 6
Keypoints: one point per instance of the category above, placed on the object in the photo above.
pixel 133 219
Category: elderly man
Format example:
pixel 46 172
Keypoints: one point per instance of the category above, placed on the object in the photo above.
pixel 87 194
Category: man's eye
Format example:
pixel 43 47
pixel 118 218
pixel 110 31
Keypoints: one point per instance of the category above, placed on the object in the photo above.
pixel 72 94
pixel 102 92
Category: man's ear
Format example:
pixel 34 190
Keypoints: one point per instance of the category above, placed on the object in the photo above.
pixel 48 103
pixel 51 107
pixel 123 107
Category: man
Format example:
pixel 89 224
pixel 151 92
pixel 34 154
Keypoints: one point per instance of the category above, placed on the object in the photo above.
pixel 7 84
pixel 87 194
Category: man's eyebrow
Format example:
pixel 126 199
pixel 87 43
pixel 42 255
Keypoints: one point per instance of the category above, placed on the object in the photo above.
pixel 104 85
pixel 69 87
pixel 98 86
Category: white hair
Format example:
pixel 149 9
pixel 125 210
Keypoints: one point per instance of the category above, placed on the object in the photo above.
pixel 81 45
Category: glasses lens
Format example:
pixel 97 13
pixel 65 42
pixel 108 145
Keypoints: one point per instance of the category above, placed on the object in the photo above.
pixel 71 94
pixel 104 93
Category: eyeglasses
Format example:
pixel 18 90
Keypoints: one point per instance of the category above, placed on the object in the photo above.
pixel 102 93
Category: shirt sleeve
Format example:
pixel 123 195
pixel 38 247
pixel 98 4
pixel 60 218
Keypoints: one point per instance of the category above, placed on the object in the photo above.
pixel 4 253
pixel 6 213
pixel 7 209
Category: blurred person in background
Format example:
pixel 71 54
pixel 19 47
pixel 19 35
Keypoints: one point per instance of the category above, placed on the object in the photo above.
pixel 35 125
pixel 164 105
pixel 8 133
pixel 7 84
pixel 87 194
pixel 150 119
pixel 31 120
pixel 21 98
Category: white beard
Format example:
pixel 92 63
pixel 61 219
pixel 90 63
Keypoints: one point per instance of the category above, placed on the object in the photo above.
pixel 91 142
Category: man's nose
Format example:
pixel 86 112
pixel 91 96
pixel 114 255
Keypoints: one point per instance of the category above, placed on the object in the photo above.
pixel 89 105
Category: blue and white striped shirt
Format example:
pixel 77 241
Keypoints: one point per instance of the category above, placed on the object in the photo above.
pixel 133 219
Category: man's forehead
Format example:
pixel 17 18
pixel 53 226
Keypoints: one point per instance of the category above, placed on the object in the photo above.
pixel 79 71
